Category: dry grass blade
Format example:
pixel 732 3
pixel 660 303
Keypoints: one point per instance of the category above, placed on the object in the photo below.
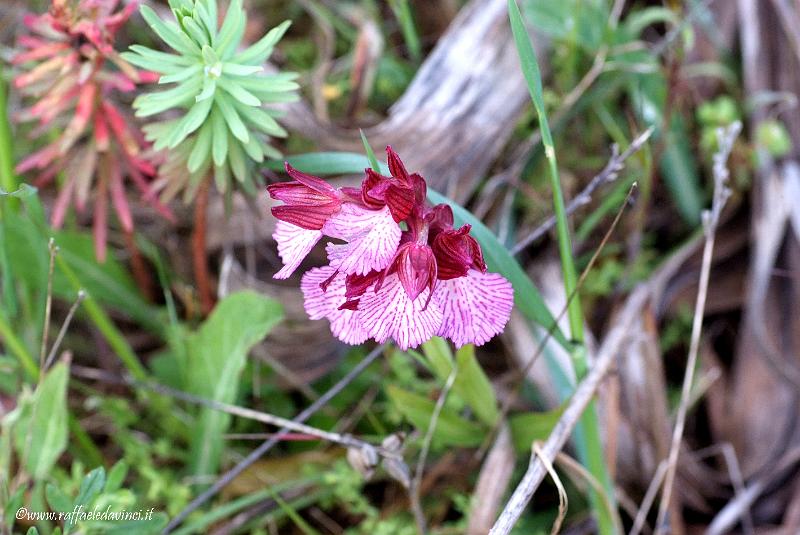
pixel 711 218
pixel 563 502
pixel 492 482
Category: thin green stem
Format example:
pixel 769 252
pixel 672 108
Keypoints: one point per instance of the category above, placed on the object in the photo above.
pixel 589 428
pixel 104 324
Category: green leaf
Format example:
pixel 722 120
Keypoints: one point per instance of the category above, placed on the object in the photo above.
pixel 201 151
pixel 24 190
pixel 236 91
pixel 258 53
pixel 190 122
pixel 56 499
pixel 451 429
pixel 230 34
pixel 472 385
pixel 526 296
pixel 32 531
pixel 147 58
pixel 169 32
pixel 232 119
pixel 13 504
pixel 182 75
pixel 41 432
pixel 530 427
pixel 214 360
pixel 373 160
pixel 261 120
pixel 195 32
pixel 237 160
pixel 439 356
pixel 235 69
pixel 679 169
pixel 219 146
pixel 116 477
pixel 533 77
pixel 91 486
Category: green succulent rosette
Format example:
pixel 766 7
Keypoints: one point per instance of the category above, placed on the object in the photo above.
pixel 219 90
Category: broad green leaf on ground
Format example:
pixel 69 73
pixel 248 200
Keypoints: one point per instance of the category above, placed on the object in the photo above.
pixel 474 387
pixel 451 429
pixel 40 434
pixel 471 383
pixel 532 426
pixel 526 296
pixel 215 357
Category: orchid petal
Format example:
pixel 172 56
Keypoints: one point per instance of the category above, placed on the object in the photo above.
pixel 294 244
pixel 372 236
pixel 474 308
pixel 319 304
pixel 390 313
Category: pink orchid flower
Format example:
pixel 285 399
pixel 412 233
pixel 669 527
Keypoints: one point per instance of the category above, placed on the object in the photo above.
pixel 386 281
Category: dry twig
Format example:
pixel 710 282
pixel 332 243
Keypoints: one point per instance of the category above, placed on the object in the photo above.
pixel 259 452
pixel 609 173
pixel 711 218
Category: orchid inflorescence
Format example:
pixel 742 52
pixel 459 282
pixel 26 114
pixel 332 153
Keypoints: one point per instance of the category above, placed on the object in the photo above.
pixel 72 70
pixel 222 127
pixel 403 272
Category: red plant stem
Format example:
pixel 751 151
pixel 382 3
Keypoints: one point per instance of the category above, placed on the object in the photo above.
pixel 141 275
pixel 201 275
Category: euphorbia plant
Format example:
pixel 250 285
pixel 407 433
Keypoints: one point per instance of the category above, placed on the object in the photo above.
pixel 403 271
pixel 217 93
pixel 72 74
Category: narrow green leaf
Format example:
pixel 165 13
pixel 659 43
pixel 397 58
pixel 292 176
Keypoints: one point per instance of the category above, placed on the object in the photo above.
pixel 190 122
pixel 533 77
pixel 41 433
pixel 201 150
pixel 236 91
pixel 232 119
pixel 373 161
pixel 237 159
pixel 260 51
pixel 235 69
pixel 214 360
pixel 182 75
pixel 261 120
pixel 451 429
pixel 219 147
pixel 232 29
pixel 196 32
pixel 169 32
